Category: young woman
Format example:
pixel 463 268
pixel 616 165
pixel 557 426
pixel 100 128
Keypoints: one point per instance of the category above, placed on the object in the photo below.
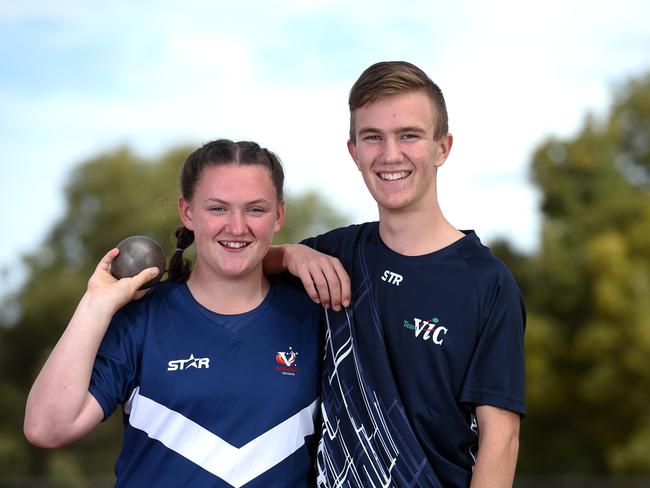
pixel 216 368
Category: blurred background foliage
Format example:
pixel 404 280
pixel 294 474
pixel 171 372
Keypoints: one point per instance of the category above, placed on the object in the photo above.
pixel 587 290
pixel 588 296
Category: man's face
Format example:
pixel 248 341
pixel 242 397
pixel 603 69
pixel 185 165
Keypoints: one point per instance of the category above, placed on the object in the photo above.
pixel 396 152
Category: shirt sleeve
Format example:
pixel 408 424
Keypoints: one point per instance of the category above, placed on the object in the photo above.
pixel 116 369
pixel 496 374
pixel 340 243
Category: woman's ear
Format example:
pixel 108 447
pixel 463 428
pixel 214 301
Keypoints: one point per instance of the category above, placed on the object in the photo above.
pixel 185 213
pixel 279 218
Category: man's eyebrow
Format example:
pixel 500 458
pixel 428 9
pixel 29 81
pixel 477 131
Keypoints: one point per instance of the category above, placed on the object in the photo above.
pixel 399 130
pixel 412 128
pixel 367 130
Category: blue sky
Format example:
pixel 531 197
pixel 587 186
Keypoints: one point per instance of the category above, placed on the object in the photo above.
pixel 80 77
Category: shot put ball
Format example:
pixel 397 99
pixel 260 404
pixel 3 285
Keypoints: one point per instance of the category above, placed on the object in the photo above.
pixel 138 253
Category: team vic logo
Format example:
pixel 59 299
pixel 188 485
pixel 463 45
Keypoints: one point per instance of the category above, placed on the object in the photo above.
pixel 191 362
pixel 428 329
pixel 287 362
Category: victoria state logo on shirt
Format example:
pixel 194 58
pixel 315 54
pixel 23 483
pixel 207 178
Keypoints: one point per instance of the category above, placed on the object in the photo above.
pixel 287 362
pixel 427 329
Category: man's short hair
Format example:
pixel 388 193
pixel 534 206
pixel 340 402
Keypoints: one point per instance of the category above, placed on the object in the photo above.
pixel 395 77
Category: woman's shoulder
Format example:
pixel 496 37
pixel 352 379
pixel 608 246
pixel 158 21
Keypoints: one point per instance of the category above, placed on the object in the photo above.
pixel 288 294
pixel 158 295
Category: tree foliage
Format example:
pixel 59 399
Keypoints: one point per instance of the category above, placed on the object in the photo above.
pixel 588 292
pixel 109 197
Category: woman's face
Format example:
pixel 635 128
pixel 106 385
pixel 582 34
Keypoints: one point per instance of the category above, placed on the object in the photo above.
pixel 234 214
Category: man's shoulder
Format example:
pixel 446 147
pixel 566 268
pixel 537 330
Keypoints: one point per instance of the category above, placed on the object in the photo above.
pixel 488 270
pixel 343 239
pixel 350 231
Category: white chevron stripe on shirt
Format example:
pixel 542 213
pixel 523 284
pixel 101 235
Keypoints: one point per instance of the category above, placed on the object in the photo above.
pixel 236 466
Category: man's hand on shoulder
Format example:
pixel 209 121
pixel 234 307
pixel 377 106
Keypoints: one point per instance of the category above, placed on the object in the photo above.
pixel 324 277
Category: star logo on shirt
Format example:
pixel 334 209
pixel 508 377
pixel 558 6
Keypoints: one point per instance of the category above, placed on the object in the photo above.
pixel 191 362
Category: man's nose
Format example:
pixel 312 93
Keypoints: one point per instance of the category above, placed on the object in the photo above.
pixel 392 152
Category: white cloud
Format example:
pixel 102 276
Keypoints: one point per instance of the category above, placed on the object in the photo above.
pixel 155 74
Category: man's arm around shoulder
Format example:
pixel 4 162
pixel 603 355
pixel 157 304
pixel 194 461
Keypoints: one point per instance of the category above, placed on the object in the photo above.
pixel 324 277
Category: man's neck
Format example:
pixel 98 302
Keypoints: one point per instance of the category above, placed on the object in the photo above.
pixel 417 233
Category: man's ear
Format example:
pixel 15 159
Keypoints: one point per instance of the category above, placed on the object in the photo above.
pixel 444 148
pixel 352 149
pixel 185 213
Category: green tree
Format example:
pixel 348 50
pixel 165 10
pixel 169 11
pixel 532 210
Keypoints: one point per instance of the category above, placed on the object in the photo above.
pixel 588 337
pixel 109 197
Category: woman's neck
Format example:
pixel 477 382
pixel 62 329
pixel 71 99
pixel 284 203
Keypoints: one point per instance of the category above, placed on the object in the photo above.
pixel 228 296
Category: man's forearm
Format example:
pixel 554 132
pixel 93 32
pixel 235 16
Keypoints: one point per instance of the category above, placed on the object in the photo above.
pixel 495 466
pixel 498 448
pixel 274 261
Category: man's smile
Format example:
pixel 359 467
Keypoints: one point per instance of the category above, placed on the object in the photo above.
pixel 393 175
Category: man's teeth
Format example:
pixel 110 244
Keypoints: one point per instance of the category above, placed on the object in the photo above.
pixel 234 245
pixel 394 176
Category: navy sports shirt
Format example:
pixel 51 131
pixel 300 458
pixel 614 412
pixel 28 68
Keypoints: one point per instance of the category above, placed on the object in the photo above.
pixel 213 400
pixel 426 339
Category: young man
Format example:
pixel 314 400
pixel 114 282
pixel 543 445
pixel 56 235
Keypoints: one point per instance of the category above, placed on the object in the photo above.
pixel 423 381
